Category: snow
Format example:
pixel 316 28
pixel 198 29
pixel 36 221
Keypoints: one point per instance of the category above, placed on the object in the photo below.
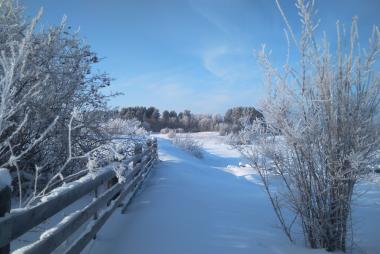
pixel 210 205
pixel 5 178
pixel 68 186
pixel 191 205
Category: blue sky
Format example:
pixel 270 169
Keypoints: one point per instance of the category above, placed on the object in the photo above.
pixel 191 54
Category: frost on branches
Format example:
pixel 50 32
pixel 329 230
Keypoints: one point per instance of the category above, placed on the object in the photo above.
pixel 189 144
pixel 120 127
pixel 44 77
pixel 321 130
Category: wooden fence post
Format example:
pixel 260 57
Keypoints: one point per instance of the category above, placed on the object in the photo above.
pixel 96 195
pixel 137 151
pixel 149 144
pixel 5 207
pixel 155 148
pixel 96 215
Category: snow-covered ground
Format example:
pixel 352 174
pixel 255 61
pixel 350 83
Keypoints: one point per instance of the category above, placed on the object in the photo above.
pixel 211 205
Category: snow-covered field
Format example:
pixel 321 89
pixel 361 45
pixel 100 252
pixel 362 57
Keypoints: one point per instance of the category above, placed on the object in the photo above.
pixel 212 205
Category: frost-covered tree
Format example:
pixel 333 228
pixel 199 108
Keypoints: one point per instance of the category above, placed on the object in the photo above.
pixel 234 117
pixel 205 124
pixel 14 95
pixel 67 61
pixel 326 111
pixel 165 116
pixel 44 76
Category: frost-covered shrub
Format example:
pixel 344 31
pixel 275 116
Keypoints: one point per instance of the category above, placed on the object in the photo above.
pixel 117 150
pixel 245 136
pixel 234 140
pixel 223 129
pixel 164 131
pixel 189 144
pixel 326 107
pixel 171 133
pixel 118 126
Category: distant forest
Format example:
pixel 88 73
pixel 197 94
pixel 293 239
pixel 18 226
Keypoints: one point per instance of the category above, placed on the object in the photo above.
pixel 153 120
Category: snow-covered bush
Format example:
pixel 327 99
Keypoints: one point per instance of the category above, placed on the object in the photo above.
pixel 223 129
pixel 117 150
pixel 118 126
pixel 234 139
pixel 171 133
pixel 326 108
pixel 164 131
pixel 189 144
pixel 113 151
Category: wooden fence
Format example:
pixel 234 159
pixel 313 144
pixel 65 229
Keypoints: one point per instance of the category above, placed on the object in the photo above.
pixel 118 193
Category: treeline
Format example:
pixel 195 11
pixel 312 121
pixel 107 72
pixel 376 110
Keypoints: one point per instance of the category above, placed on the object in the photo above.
pixel 153 120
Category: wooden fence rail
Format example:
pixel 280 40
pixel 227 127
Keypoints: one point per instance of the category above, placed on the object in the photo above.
pixel 17 223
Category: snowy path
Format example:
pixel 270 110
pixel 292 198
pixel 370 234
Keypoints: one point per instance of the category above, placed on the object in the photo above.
pixel 192 206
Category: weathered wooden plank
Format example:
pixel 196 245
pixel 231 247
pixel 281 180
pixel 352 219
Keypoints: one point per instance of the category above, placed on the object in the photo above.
pixel 138 182
pixel 139 175
pixel 69 226
pixel 71 178
pixel 50 243
pixel 135 158
pixel 81 243
pixel 19 222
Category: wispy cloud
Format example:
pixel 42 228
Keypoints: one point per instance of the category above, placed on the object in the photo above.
pixel 211 58
pixel 233 79
pixel 200 7
pixel 230 64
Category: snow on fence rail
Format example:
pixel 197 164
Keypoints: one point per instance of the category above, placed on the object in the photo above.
pixel 18 222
